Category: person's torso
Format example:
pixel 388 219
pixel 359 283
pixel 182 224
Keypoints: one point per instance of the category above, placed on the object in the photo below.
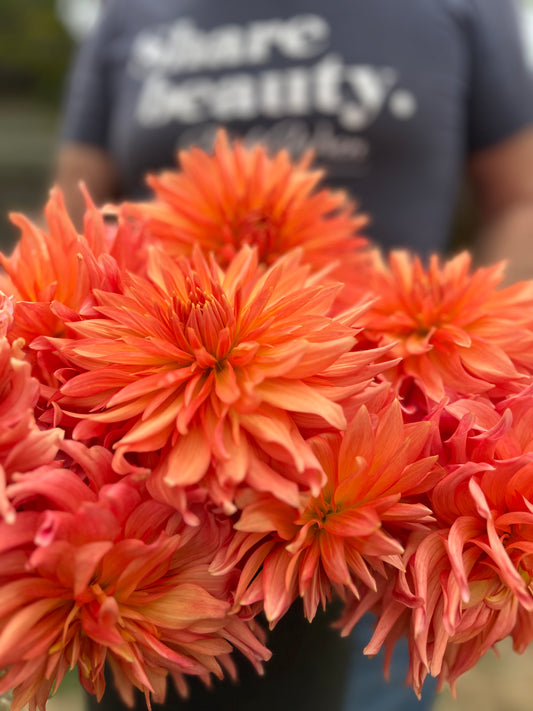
pixel 377 89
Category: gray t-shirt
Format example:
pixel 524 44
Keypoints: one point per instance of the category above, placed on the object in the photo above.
pixel 391 95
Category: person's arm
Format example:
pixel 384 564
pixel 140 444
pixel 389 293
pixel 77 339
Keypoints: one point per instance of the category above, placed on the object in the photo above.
pixel 502 180
pixel 83 162
pixel 500 134
pixel 83 154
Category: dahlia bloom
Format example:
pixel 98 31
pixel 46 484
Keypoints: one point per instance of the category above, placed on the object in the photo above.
pixel 228 435
pixel 206 367
pixel 352 531
pixel 456 333
pixel 111 576
pixel 241 196
pixel 23 446
pixel 52 273
pixel 467 584
pixel 6 314
pixel 477 429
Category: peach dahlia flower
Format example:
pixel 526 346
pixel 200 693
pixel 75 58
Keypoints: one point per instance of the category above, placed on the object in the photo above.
pixel 351 532
pixel 52 272
pixel 456 332
pixel 111 577
pixel 242 195
pixel 206 367
pixel 24 447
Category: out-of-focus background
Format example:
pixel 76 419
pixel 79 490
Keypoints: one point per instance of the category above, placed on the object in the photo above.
pixel 37 39
pixel 496 684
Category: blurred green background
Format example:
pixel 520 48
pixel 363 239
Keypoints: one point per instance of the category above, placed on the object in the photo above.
pixel 37 38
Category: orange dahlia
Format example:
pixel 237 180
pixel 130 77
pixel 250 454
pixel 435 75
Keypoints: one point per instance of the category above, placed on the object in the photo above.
pixel 52 273
pixel 206 367
pixel 240 196
pixel 456 333
pixel 111 577
pixel 352 531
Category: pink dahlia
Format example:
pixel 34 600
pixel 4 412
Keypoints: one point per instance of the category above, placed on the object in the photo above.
pixel 113 577
pixel 24 446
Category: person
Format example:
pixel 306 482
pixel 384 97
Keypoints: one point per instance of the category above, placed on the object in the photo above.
pixel 396 100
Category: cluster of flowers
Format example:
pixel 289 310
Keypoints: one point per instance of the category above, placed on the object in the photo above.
pixel 224 399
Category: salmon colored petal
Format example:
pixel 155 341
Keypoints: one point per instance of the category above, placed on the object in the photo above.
pixel 188 461
pixel 299 397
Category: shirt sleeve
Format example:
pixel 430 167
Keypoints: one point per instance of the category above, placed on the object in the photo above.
pixel 500 99
pixel 86 104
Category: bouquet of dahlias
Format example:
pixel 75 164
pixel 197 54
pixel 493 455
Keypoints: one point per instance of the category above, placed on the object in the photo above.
pixel 224 399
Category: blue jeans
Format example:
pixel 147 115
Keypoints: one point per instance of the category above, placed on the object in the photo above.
pixel 366 689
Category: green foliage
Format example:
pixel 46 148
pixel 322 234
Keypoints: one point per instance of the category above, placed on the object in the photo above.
pixel 34 49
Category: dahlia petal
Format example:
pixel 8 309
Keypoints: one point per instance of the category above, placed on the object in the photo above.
pixel 356 563
pixel 488 362
pixel 102 630
pixel 480 500
pixel 357 442
pixel 333 558
pixel 96 381
pixel 277 598
pixel 253 594
pixel 185 604
pixel 250 574
pixel 463 530
pixel 22 590
pixel 117 414
pixel 509 573
pixel 456 334
pixel 86 559
pixel 321 356
pixel 185 664
pixel 146 562
pixel 409 512
pixel 132 387
pixel 236 457
pixel 278 361
pixel 261 477
pixel 152 434
pixel 353 522
pixel 188 460
pixel 416 476
pixel 39 447
pixel 308 563
pixel 299 397
pixel 26 628
pixel 281 432
pixel 19 532
pixel 244 639
pixel 266 514
pixel 60 486
pixel 383 627
pixel 226 386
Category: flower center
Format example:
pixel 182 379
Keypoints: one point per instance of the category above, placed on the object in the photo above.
pixel 206 322
pixel 255 228
pixel 318 511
